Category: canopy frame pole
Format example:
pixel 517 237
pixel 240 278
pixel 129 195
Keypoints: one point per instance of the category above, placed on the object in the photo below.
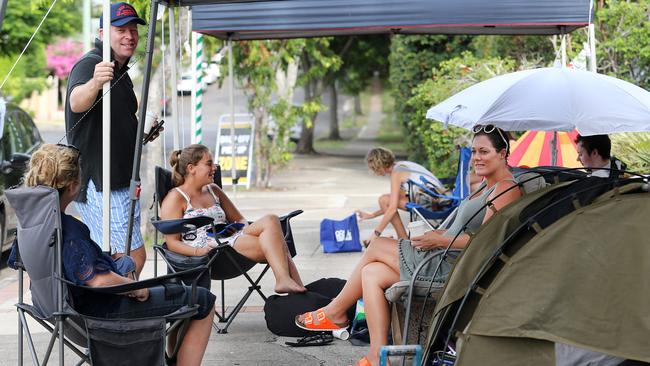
pixel 134 188
pixel 106 132
pixel 233 168
pixel 172 51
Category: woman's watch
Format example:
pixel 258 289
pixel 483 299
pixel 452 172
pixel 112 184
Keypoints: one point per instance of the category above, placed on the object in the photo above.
pixel 377 232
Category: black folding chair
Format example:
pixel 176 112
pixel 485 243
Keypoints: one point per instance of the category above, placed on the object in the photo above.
pixel 38 250
pixel 223 263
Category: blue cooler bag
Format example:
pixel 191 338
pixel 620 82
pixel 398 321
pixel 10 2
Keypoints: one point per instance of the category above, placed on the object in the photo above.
pixel 340 236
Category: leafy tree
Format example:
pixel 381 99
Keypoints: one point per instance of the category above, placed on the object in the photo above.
pixel 22 18
pixel 318 62
pixel 633 149
pixel 258 65
pixel 449 78
pixel 361 57
pixel 411 60
pixel 623 40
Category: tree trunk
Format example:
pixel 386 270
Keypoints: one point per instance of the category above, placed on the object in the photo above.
pixel 357 105
pixel 334 113
pixel 306 142
pixel 261 158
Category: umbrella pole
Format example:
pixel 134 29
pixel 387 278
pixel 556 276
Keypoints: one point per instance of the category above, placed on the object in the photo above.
pixel 554 149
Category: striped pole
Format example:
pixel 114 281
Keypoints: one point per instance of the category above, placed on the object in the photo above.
pixel 197 94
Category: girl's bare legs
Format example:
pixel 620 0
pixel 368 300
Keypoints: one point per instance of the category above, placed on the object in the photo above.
pixel 377 277
pixel 396 221
pixel 263 242
pixel 382 251
pixel 195 341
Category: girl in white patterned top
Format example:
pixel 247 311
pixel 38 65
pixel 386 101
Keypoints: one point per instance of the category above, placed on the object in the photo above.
pixel 196 195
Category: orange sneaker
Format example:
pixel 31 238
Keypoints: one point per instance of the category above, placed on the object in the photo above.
pixel 318 321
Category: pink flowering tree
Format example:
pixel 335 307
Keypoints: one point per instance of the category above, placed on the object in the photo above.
pixel 62 55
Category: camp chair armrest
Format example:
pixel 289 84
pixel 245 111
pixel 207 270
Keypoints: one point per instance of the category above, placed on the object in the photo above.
pixel 151 282
pixel 290 215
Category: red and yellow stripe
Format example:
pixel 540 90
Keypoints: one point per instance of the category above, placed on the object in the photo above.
pixel 534 149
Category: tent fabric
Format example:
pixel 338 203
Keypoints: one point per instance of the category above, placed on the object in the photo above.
pixel 580 282
pixel 311 18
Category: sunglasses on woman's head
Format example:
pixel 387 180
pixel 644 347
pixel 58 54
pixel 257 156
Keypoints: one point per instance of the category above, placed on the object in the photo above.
pixel 488 129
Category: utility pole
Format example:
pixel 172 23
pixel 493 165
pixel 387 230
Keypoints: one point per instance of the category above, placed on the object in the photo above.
pixel 86 25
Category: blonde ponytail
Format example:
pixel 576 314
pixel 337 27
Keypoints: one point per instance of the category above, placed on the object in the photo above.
pixel 180 159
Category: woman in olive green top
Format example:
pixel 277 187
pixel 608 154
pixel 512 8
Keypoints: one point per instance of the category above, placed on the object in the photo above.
pixel 388 260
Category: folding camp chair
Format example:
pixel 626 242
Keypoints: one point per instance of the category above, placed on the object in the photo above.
pixel 39 250
pixel 450 202
pixel 223 262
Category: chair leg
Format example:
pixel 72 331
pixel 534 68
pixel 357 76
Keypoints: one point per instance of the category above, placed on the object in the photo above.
pixel 229 318
pixel 30 341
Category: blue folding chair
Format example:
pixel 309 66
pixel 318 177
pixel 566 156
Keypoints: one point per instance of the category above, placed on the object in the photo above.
pixel 449 201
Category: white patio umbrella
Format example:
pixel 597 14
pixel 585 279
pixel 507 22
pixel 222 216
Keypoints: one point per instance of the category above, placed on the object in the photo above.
pixel 550 99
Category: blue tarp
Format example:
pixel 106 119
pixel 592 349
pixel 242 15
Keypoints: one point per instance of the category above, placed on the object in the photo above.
pixel 310 18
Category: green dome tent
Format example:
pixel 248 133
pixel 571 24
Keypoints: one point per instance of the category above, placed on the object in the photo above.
pixel 568 264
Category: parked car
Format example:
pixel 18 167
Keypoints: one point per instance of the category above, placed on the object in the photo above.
pixel 212 73
pixel 19 139
pixel 184 86
pixel 294 131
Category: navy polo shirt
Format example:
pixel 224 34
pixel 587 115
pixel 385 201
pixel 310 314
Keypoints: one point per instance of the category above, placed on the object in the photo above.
pixel 86 132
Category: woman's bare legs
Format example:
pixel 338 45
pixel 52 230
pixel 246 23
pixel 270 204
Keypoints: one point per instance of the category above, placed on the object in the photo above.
pixel 396 221
pixel 377 277
pixel 263 242
pixel 195 341
pixel 382 251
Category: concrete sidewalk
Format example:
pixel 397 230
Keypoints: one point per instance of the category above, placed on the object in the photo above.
pixel 324 187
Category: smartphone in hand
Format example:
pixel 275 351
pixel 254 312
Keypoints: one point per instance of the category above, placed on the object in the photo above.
pixel 153 132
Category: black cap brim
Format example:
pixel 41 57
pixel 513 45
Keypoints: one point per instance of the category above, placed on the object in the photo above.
pixel 126 20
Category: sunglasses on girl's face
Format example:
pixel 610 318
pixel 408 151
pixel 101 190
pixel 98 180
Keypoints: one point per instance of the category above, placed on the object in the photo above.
pixel 489 129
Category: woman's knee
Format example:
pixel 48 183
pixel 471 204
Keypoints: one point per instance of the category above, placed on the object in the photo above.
pixel 376 275
pixel 270 221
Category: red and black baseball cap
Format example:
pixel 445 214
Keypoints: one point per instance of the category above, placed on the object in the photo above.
pixel 121 14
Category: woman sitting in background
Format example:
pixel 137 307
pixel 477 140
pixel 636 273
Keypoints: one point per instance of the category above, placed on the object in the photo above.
pixel 381 162
pixel 388 261
pixel 85 264
pixel 195 194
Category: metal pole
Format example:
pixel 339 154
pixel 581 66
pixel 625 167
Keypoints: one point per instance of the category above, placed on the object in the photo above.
pixel 3 7
pixel 86 25
pixel 172 51
pixel 591 32
pixel 554 149
pixel 106 132
pixel 233 169
pixel 592 48
pixel 195 87
pixel 134 188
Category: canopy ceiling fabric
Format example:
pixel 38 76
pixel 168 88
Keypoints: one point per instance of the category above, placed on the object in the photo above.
pixel 312 18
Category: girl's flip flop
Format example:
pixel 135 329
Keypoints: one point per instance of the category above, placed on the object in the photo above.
pixel 318 321
pixel 319 339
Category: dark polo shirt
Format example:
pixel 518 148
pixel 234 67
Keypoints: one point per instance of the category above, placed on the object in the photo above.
pixel 87 133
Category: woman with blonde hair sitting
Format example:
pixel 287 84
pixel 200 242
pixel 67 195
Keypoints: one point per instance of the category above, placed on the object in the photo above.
pixel 195 194
pixel 382 162
pixel 388 261
pixel 85 264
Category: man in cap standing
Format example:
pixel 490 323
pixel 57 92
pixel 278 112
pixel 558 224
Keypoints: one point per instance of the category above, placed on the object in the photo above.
pixel 83 115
